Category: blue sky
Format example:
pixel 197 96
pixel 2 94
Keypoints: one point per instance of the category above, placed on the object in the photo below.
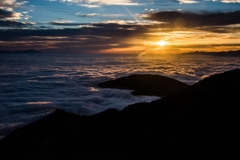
pixel 132 18
pixel 42 12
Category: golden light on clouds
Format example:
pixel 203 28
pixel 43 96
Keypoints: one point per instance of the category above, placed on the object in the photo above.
pixel 189 40
pixel 161 43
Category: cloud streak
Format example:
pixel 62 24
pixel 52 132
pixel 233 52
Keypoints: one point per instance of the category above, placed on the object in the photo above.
pixel 188 19
pixel 7 23
pixel 98 3
pixel 230 1
pixel 80 14
pixel 187 1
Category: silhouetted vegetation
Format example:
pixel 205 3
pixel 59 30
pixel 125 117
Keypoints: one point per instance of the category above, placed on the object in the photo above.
pixel 199 122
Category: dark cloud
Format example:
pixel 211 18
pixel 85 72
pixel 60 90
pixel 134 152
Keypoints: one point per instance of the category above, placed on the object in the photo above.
pixel 79 14
pixel 220 29
pixel 4 14
pixel 99 25
pixel 86 39
pixel 108 30
pixel 188 19
pixel 65 24
pixel 6 23
pixel 97 37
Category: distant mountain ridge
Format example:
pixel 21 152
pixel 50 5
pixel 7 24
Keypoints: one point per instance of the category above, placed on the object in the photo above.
pixel 21 51
pixel 226 53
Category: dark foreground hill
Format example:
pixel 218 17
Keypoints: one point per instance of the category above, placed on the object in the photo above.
pixel 146 84
pixel 199 122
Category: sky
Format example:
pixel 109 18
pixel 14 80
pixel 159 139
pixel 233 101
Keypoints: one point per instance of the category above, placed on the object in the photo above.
pixel 120 26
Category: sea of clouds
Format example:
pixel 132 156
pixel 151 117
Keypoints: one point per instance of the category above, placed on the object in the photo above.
pixel 33 85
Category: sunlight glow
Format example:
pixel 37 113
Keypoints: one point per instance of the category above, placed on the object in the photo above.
pixel 161 43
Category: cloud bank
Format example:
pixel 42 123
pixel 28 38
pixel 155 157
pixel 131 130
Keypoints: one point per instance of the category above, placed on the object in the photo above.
pixel 7 23
pixel 118 37
pixel 94 39
pixel 188 19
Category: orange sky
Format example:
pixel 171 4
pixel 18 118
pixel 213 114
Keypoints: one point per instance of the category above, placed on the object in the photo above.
pixel 179 41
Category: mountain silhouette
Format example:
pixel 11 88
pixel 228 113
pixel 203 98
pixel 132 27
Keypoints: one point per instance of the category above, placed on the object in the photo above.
pixel 198 122
pixel 146 84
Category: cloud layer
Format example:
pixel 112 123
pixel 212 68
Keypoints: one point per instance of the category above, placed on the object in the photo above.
pixel 188 19
pixel 68 83
pixel 7 23
pixel 122 37
pixel 48 81
pixel 97 38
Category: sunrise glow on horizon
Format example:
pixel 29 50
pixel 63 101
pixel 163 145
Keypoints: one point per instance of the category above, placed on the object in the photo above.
pixel 119 26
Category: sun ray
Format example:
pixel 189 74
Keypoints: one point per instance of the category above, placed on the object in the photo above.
pixel 134 16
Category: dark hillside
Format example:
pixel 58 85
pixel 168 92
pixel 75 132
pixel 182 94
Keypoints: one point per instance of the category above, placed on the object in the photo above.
pixel 199 122
pixel 146 84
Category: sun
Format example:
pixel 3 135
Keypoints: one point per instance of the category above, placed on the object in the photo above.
pixel 161 43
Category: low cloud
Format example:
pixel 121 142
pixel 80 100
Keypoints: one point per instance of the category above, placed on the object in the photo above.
pixel 188 19
pixel 38 101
